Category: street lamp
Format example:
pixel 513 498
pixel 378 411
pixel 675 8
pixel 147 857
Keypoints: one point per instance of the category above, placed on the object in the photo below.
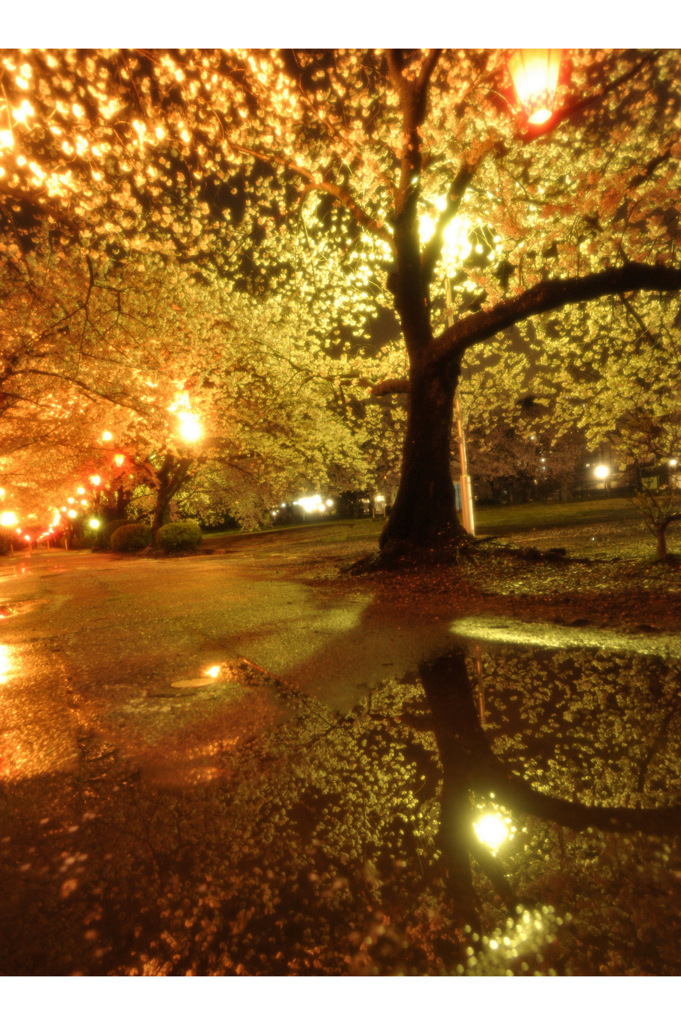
pixel 602 472
pixel 535 77
pixel 190 428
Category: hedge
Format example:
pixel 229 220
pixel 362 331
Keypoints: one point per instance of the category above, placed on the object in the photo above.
pixel 179 537
pixel 132 537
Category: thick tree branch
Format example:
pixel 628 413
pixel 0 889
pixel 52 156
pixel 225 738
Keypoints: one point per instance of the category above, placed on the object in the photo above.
pixel 395 386
pixel 547 296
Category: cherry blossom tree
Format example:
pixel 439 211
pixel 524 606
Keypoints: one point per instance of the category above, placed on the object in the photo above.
pixel 336 177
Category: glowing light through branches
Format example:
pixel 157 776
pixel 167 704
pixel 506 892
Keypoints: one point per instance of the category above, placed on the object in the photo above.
pixel 492 830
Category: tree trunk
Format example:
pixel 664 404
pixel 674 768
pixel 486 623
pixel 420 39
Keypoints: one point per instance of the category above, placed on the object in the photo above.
pixel 423 514
pixel 161 511
pixel 169 480
pixel 661 537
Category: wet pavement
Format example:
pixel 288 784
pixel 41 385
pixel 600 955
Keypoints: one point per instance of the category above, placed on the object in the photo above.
pixel 122 646
pixel 156 820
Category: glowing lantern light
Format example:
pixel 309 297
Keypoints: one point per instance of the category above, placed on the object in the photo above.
pixel 672 462
pixel 94 524
pixel 26 537
pixel 70 501
pixel 8 519
pixel 535 77
pixel 119 459
pixel 96 480
pixel 107 436
pixel 491 830
pixel 2 492
pixel 72 514
pixel 602 472
pixel 81 490
pixel 214 671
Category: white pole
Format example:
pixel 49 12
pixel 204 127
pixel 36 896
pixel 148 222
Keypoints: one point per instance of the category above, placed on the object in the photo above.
pixel 465 480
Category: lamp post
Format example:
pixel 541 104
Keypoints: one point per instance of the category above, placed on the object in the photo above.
pixel 467 512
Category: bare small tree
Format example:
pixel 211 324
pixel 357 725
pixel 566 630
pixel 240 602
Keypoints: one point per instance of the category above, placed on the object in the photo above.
pixel 650 446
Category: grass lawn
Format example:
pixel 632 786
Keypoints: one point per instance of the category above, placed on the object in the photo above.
pixel 543 514
pixel 600 528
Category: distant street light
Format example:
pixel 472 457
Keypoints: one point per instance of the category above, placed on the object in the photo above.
pixel 119 459
pixel 94 524
pixel 107 436
pixel 535 77
pixel 602 472
pixel 96 480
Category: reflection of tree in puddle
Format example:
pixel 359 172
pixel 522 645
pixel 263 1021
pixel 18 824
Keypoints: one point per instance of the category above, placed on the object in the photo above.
pixel 346 843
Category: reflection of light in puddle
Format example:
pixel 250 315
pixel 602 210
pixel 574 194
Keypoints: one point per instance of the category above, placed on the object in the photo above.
pixel 208 679
pixel 183 684
pixel 5 663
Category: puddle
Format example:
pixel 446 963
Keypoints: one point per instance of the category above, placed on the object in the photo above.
pixel 250 829
pixel 21 607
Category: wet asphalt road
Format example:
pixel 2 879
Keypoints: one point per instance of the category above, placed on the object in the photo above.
pixel 93 643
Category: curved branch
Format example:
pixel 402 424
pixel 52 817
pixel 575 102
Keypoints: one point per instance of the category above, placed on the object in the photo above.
pixel 376 227
pixel 550 295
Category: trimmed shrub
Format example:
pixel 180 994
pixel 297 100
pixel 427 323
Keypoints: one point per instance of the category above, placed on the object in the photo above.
pixel 179 537
pixel 6 539
pixel 104 533
pixel 132 537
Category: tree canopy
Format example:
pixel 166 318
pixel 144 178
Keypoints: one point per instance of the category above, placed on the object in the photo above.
pixel 352 183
